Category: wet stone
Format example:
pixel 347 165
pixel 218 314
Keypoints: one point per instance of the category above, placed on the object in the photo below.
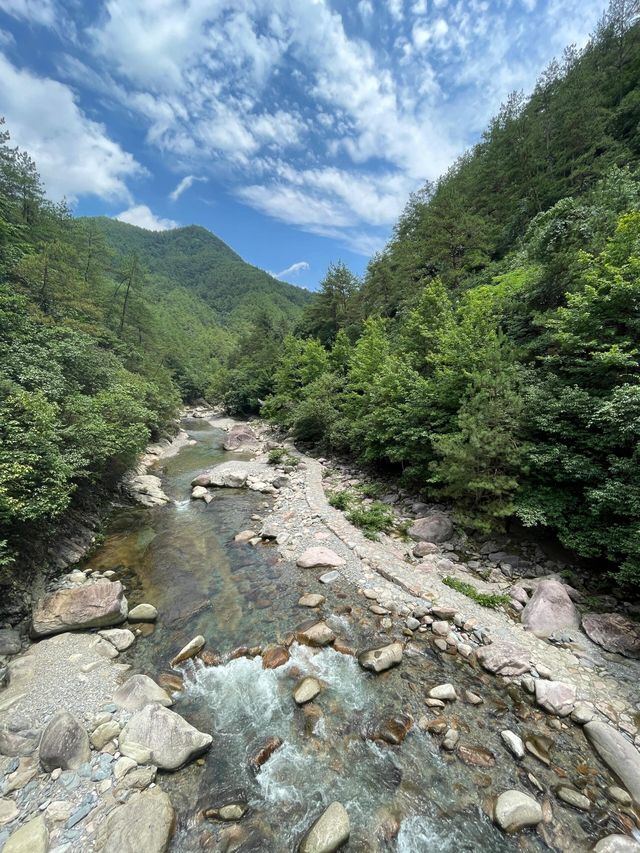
pixel 264 752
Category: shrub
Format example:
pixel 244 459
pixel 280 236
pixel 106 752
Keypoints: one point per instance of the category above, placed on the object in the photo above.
pixel 485 599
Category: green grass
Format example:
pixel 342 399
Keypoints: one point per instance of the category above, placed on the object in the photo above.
pixel 339 500
pixel 373 519
pixel 281 456
pixel 485 599
pixel 371 490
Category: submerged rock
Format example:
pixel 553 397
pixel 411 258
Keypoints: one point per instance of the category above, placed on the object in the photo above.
pixel 264 753
pixel 64 743
pixel 549 610
pixel 319 556
pixel 613 632
pixel 574 798
pixel 514 810
pixel 330 831
pixel 393 730
pixel 476 756
pixel 144 822
pixel 93 605
pixel 274 656
pixel 10 643
pixel 382 658
pixel 618 754
pixel 312 599
pixel 171 741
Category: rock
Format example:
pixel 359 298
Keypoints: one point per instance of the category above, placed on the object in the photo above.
pixel 617 753
pixel 555 697
pixel 230 811
pixel 450 740
pixel 329 577
pixel 138 691
pixel 241 437
pixel 143 613
pixel 312 599
pixel 199 493
pixel 8 811
pixel 264 753
pixel 617 844
pixel 393 730
pixel 120 638
pixel 319 634
pixel 171 741
pixel 137 779
pixel 504 659
pixel 582 713
pixel 513 743
pixel 574 798
pixel 93 605
pixel 190 650
pixel 319 556
pixel 31 837
pixel 64 743
pixel 123 766
pixel 245 536
pixel 147 490
pixel 101 736
pixel 549 610
pixel 145 821
pixel 440 628
pixel 382 658
pixel 444 692
pixel 514 810
pixel 329 832
pixel 10 643
pixel 436 527
pixel 227 477
pixel 613 632
pixel 306 690
pixel 619 795
pixel 472 698
pixel 519 594
pixel 476 756
pixel 440 612
pixel 540 747
pixel 423 549
pixel 274 656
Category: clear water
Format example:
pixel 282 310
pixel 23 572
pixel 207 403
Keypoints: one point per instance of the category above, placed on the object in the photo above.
pixel 410 798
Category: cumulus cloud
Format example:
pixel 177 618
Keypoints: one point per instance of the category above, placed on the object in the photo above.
pixel 74 154
pixel 38 11
pixel 183 186
pixel 142 216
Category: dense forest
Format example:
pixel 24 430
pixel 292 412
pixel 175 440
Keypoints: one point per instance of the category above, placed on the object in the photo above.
pixel 491 354
pixel 98 347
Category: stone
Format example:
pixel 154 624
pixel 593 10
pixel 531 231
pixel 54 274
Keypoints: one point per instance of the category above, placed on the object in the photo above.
pixel 476 756
pixel 440 612
pixel 613 632
pixel 138 691
pixel 8 811
pixel 147 490
pixel 199 493
pixel 618 754
pixel 619 795
pixel 101 736
pixel 10 643
pixel 617 844
pixel 319 634
pixel 473 698
pixel 582 713
pixel 549 610
pixel 440 628
pixel 190 650
pixel 555 697
pixel 444 692
pixel 330 831
pixel 64 743
pixel 264 752
pixel 230 811
pixel 513 743
pixel 274 656
pixel 423 549
pixel 171 741
pixel 143 613
pixel 436 527
pixel 31 837
pixel 145 821
pixel 241 437
pixel 574 798
pixel 306 690
pixel 137 779
pixel 382 658
pixel 329 577
pixel 93 605
pixel 120 638
pixel 245 536
pixel 319 556
pixel 504 659
pixel 59 811
pixel 227 477
pixel 312 599
pixel 540 747
pixel 450 740
pixel 122 766
pixel 514 810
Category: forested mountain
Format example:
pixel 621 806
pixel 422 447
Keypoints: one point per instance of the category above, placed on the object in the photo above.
pixel 492 352
pixel 198 261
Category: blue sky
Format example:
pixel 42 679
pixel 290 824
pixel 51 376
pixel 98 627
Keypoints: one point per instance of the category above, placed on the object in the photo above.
pixel 293 129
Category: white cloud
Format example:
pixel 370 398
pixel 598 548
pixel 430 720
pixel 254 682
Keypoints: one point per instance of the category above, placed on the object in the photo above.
pixel 293 270
pixel 6 39
pixel 38 11
pixel 143 217
pixel 74 154
pixel 183 186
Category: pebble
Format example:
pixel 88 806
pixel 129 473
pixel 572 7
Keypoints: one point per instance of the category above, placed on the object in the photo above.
pixel 574 798
pixel 444 692
pixel 513 743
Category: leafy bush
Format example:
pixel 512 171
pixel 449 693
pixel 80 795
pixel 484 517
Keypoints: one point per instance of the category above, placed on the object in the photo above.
pixel 373 519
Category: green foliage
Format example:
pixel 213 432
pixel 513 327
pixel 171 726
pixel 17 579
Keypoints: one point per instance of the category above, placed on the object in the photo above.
pixel 281 456
pixel 485 599
pixel 339 500
pixel 373 519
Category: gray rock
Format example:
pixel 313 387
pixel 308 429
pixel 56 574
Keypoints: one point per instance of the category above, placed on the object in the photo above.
pixel 190 650
pixel 329 832
pixel 93 605
pixel 138 691
pixel 504 659
pixel 306 690
pixel 145 821
pixel 319 556
pixel 9 642
pixel 143 613
pixel 613 632
pixel 312 599
pixel 64 743
pixel 450 740
pixel 574 798
pixel 319 634
pixel 617 844
pixel 120 638
pixel 171 741
pixel 423 549
pixel 31 837
pixel 444 692
pixel 329 577
pixel 549 610
pixel 101 736
pixel 515 810
pixel 513 743
pixel 8 811
pixel 436 527
pixel 382 658
pixel 618 754
pixel 582 713
pixel 241 437
pixel 555 697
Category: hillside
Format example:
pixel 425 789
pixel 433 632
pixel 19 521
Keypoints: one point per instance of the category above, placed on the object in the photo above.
pixel 197 260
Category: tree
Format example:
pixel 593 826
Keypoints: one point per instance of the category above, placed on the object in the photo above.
pixel 332 308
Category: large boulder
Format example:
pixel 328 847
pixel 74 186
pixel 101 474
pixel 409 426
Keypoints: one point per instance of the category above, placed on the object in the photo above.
pixel 555 697
pixel 504 659
pixel 241 437
pixel 170 741
pixel 514 810
pixel 381 659
pixel 92 605
pixel 613 632
pixel 231 478
pixel 31 837
pixel 329 832
pixel 319 556
pixel 144 822
pixel 549 610
pixel 619 754
pixel 436 527
pixel 138 691
pixel 64 743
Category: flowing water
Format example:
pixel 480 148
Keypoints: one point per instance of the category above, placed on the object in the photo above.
pixel 408 798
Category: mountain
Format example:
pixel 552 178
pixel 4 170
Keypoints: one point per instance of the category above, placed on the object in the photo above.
pixel 197 260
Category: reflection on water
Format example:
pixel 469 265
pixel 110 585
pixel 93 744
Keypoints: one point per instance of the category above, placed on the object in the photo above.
pixel 183 559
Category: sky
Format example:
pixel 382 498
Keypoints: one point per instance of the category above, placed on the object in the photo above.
pixel 295 130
